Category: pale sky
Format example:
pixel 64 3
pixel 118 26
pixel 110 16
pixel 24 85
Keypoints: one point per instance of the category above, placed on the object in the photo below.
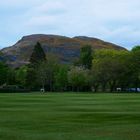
pixel 116 21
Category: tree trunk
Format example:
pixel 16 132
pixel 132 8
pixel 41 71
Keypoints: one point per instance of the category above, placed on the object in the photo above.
pixel 104 87
pixel 112 86
pixel 96 88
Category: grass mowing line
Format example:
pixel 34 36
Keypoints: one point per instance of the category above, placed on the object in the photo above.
pixel 69 116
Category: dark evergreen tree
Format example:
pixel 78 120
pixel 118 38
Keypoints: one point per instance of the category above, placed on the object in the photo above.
pixel 38 56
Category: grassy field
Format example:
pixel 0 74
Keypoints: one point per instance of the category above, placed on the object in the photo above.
pixel 70 117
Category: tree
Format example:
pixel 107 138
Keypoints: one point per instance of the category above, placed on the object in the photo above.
pixel 61 80
pixel 95 78
pixel 78 78
pixel 3 73
pixel 36 58
pixel 100 73
pixel 45 73
pixel 135 66
pixel 86 56
pixel 118 70
pixel 109 66
pixel 38 55
pixel 11 77
pixel 21 74
pixel 41 74
pixel 136 49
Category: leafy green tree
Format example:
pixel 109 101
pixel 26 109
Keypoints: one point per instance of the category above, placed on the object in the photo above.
pixel 7 75
pixel 11 77
pixel 86 56
pixel 61 80
pixel 100 72
pixel 118 69
pixel 109 66
pixel 21 74
pixel 95 79
pixel 135 66
pixel 78 78
pixel 45 73
pixel 42 74
pixel 136 49
pixel 3 73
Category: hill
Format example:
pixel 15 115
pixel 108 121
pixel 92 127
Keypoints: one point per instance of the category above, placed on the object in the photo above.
pixel 65 48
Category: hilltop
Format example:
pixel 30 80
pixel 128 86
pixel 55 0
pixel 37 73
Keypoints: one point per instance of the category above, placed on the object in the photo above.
pixel 65 48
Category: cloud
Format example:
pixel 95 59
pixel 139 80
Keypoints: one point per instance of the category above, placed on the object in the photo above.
pixel 111 20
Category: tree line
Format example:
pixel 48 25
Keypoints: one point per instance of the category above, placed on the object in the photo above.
pixel 104 70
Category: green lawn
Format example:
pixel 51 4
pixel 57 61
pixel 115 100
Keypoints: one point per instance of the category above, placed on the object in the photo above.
pixel 70 116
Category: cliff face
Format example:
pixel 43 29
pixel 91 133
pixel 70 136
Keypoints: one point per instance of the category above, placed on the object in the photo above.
pixel 65 48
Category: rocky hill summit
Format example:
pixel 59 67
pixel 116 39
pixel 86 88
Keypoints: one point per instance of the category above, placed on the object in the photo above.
pixel 65 48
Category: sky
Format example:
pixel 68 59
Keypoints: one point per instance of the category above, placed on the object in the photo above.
pixel 116 21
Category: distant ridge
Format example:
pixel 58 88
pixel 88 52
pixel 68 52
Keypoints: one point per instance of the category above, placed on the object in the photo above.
pixel 65 48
